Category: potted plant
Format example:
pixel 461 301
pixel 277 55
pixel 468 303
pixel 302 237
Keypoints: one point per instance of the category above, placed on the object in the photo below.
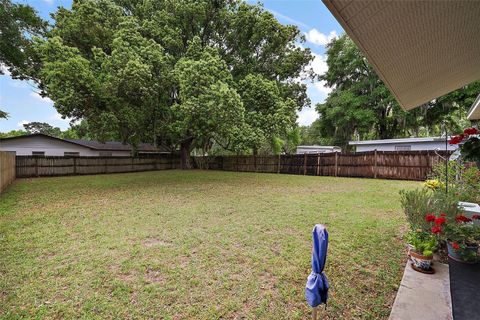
pixel 462 239
pixel 423 245
pixel 469 142
pixel 460 233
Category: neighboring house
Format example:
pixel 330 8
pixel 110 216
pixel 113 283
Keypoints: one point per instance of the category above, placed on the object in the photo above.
pixel 43 145
pixel 404 144
pixel 317 149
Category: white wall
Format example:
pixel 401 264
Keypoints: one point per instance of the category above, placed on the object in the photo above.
pixel 51 147
pixel 301 150
pixel 418 146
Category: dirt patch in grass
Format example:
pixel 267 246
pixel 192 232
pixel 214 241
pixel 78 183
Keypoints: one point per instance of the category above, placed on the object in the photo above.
pixel 155 276
pixel 154 242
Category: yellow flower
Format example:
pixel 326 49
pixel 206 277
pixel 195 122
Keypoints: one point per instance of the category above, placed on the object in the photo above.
pixel 433 184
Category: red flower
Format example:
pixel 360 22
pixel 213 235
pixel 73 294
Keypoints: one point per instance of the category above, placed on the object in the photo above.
pixel 462 218
pixel 440 221
pixel 476 216
pixel 456 139
pixel 436 229
pixel 430 217
pixel 469 131
pixel 455 246
pixel 443 214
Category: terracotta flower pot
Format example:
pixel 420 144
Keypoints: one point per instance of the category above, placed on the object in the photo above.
pixel 420 261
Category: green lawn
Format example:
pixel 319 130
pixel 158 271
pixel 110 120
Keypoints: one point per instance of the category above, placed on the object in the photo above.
pixel 196 245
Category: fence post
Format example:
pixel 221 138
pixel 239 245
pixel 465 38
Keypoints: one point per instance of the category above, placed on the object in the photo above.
pixel 428 161
pixel 255 162
pixel 375 166
pixel 105 166
pixel 74 165
pixel 336 164
pixel 318 164
pixel 36 166
pixel 305 163
pixel 131 164
pixel 279 162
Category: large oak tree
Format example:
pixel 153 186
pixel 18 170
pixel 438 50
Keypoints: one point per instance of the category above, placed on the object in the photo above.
pixel 185 73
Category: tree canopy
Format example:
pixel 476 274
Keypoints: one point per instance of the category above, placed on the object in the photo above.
pixel 176 72
pixel 19 23
pixel 42 127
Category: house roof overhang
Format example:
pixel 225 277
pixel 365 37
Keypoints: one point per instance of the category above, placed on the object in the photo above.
pixel 420 49
pixel 474 112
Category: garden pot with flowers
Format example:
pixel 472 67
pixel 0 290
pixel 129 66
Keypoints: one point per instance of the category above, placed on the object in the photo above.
pixel 461 234
pixel 469 142
pixel 422 246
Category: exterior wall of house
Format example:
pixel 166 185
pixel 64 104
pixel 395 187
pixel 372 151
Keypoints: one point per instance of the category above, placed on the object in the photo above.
pixel 413 146
pixel 51 147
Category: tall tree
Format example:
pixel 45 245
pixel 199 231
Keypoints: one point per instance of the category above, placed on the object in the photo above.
pixel 179 72
pixel 359 103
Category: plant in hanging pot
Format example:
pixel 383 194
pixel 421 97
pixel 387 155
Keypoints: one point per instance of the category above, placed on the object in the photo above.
pixel 469 142
pixel 423 245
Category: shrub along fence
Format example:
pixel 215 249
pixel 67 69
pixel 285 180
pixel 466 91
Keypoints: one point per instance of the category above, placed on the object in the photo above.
pixel 405 165
pixel 7 169
pixel 29 166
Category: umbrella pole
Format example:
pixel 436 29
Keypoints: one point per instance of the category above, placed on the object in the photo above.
pixel 314 313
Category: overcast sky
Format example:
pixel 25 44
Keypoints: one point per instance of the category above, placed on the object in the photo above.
pixel 21 100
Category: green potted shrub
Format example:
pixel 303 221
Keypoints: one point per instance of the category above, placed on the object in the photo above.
pixel 423 245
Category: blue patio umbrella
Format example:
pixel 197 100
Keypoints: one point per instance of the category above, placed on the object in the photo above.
pixel 316 290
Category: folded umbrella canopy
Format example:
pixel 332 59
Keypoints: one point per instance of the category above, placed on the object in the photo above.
pixel 316 290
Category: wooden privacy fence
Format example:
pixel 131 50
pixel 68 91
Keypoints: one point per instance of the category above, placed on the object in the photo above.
pixel 7 169
pixel 405 165
pixel 28 166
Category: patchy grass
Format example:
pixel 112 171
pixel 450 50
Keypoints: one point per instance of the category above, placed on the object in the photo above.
pixel 196 245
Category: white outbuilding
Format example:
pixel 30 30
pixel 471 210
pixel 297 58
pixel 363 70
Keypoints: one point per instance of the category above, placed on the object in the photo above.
pixel 404 144
pixel 317 149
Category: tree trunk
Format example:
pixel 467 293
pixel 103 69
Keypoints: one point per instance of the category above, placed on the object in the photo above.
pixel 185 149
